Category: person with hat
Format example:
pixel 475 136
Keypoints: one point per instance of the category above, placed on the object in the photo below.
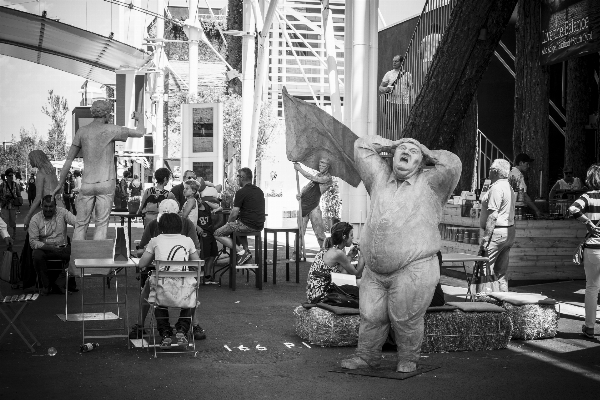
pixel 518 185
pixel 95 143
pixel 568 182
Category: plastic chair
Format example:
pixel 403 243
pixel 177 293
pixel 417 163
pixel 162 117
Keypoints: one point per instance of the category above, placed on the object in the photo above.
pixel 198 264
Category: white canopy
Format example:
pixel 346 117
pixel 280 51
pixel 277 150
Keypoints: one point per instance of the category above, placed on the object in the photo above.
pixel 44 41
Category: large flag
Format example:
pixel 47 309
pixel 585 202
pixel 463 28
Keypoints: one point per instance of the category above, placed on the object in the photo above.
pixel 311 135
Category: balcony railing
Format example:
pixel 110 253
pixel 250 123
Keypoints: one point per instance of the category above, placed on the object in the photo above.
pixel 428 33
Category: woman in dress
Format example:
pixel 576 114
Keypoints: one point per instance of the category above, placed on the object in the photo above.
pixel 332 258
pixel 45 184
pixel 586 209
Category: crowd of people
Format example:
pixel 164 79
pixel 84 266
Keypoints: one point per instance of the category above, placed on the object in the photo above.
pixel 186 223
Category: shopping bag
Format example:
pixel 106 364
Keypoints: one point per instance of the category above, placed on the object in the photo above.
pixel 121 244
pixel 10 268
pixel 6 264
pixel 484 280
pixel 173 292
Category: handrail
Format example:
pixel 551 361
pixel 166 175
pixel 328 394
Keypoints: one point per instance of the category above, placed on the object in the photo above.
pixel 486 154
pixel 511 55
pixel 558 111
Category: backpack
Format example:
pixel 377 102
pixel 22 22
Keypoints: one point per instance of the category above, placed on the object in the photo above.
pixel 153 200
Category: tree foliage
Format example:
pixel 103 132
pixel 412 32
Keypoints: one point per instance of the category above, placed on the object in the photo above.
pixel 57 110
pixel 16 155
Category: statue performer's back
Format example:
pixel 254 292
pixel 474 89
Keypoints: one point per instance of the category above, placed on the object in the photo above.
pixel 95 143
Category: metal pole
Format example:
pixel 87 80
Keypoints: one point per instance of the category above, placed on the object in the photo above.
pixel 261 77
pixel 194 36
pixel 160 87
pixel 247 81
pixel 332 72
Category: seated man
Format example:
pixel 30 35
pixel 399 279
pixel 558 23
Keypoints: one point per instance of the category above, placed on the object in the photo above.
pixel 247 215
pixel 168 206
pixel 48 240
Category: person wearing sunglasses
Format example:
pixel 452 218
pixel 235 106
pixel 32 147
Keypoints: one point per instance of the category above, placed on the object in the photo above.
pixel 177 190
pixel 568 182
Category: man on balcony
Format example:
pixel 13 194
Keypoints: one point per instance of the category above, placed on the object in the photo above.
pixel 396 84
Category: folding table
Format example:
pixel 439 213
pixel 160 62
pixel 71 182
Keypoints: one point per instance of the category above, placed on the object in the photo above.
pixel 13 316
pixel 101 268
pixel 463 258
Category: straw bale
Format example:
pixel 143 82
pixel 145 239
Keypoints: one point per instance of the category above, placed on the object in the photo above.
pixel 324 328
pixel 460 331
pixel 530 321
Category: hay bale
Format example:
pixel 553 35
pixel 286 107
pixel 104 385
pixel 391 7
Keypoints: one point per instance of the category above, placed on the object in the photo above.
pixel 324 328
pixel 530 321
pixel 460 331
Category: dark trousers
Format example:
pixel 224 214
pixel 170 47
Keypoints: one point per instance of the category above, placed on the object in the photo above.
pixel 162 320
pixel 40 260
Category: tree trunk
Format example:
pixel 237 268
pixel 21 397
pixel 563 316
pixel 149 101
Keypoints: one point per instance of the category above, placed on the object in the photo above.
pixel 579 96
pixel 474 30
pixel 465 147
pixel 530 134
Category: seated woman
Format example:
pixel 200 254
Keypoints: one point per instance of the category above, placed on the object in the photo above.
pixel 569 182
pixel 170 245
pixel 332 259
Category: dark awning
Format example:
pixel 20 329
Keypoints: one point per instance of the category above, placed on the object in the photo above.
pixel 47 42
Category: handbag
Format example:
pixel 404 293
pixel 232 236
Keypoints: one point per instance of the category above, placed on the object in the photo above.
pixel 336 296
pixel 173 292
pixel 578 256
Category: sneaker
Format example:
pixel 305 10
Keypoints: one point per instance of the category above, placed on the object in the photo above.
pixel 587 332
pixel 181 339
pixel 244 258
pixel 136 332
pixel 165 343
pixel 354 363
pixel 199 333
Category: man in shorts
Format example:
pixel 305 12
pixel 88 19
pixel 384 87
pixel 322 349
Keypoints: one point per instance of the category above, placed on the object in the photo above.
pixel 247 215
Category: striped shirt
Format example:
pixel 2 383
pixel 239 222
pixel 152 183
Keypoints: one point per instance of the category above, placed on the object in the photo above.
pixel 588 204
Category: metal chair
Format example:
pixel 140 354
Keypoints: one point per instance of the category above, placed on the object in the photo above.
pixel 198 264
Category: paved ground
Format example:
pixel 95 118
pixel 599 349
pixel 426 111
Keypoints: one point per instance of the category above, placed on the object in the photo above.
pixel 566 366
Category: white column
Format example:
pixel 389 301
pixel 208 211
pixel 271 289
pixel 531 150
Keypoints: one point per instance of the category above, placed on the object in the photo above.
pixel 261 77
pixel 159 136
pixel 332 72
pixel 247 82
pixel 347 112
pixel 194 36
pixel 372 86
pixel 359 96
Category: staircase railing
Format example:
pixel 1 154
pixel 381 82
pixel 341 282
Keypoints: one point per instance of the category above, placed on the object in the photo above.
pixel 487 153
pixel 394 107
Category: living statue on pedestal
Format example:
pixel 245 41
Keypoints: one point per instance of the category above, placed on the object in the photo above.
pixel 399 244
pixel 45 182
pixel 95 143
pixel 310 197
pixel 400 239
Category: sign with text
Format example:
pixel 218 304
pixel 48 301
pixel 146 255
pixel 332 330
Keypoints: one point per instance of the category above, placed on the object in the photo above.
pixel 566 30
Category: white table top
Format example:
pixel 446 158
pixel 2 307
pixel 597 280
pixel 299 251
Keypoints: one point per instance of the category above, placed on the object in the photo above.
pixel 461 257
pixel 103 262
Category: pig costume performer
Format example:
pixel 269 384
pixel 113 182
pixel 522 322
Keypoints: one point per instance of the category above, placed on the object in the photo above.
pixel 399 244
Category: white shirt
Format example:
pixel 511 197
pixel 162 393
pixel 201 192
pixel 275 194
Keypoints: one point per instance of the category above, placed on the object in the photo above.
pixel 401 93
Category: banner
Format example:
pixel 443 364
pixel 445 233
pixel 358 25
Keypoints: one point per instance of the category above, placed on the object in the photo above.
pixel 567 30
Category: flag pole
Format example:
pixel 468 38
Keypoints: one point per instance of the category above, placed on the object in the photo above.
pixel 300 224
